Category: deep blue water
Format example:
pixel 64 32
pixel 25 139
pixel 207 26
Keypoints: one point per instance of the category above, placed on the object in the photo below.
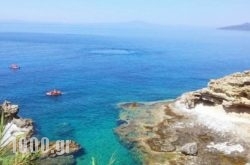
pixel 97 72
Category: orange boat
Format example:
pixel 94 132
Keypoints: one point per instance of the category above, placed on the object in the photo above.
pixel 14 66
pixel 54 93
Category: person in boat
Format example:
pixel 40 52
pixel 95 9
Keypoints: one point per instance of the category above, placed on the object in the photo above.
pixel 54 93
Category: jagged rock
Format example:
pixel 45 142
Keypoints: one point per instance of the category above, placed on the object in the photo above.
pixel 161 138
pixel 10 110
pixel 16 126
pixel 22 122
pixel 232 92
pixel 190 149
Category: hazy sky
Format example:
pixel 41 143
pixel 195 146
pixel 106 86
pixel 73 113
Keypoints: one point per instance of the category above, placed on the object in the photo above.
pixel 169 12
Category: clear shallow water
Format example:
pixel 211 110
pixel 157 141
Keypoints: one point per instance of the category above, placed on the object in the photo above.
pixel 97 72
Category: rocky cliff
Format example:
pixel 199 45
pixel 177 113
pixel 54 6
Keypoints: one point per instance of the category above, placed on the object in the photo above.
pixel 16 127
pixel 205 127
pixel 232 92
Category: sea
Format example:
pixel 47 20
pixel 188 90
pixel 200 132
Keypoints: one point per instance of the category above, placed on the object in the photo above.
pixel 98 71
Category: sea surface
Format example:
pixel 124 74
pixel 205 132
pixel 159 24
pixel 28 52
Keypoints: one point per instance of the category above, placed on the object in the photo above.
pixel 96 72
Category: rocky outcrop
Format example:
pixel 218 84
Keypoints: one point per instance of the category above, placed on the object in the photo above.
pixel 232 92
pixel 205 127
pixel 16 127
pixel 190 149
pixel 10 110
pixel 160 134
pixel 53 150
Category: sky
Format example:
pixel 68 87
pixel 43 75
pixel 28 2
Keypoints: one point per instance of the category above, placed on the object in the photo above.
pixel 165 12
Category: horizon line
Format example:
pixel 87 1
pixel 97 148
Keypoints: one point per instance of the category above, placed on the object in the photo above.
pixel 138 22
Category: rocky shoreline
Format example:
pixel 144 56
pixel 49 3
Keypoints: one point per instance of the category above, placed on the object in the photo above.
pixel 205 127
pixel 16 127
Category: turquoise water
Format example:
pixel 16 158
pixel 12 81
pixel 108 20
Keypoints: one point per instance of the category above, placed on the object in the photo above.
pixel 97 72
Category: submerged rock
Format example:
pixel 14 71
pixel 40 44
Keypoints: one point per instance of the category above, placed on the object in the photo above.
pixel 60 160
pixel 64 130
pixel 53 150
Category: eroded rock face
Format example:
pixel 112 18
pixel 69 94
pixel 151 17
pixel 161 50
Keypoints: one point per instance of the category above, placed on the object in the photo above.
pixel 198 128
pixel 233 92
pixel 16 126
pixel 10 110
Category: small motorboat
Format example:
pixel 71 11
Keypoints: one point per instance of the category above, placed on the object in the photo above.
pixel 14 66
pixel 54 93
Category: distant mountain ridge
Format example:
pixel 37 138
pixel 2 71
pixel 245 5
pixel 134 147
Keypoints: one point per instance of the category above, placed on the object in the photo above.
pixel 242 27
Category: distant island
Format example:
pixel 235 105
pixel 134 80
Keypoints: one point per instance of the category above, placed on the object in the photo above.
pixel 242 27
